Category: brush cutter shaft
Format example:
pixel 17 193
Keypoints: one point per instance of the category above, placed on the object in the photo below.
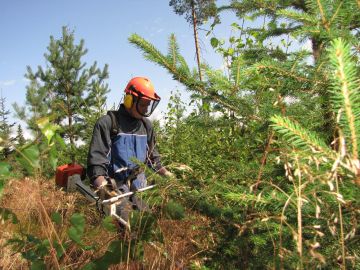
pixel 74 183
pixel 123 222
pixel 87 192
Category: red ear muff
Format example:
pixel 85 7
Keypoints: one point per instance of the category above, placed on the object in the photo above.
pixel 128 101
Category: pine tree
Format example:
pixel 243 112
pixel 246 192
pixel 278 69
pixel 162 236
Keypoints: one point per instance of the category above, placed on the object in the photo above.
pixel 263 80
pixel 310 160
pixel 36 105
pixel 176 65
pixel 196 12
pixel 5 129
pixel 20 139
pixel 298 21
pixel 93 110
pixel 65 88
pixel 317 21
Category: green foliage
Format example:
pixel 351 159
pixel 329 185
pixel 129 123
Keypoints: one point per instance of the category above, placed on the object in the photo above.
pixel 29 158
pixel 56 218
pixel 345 95
pixel 202 9
pixel 262 205
pixel 76 231
pixel 180 71
pixel 20 139
pixel 6 214
pixel 35 156
pixel 345 92
pixel 116 253
pixel 274 163
pixel 271 50
pixel 299 137
pixel 316 20
pixel 312 160
pixel 5 127
pixel 142 229
pixel 223 161
pixel 36 250
pixel 4 174
pixel 143 224
pixel 38 156
pixel 108 224
pixel 6 138
pixel 173 210
pixel 4 169
pixel 72 94
pixel 32 249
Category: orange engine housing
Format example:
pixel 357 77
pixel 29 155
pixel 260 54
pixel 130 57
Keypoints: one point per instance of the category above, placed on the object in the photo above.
pixel 63 172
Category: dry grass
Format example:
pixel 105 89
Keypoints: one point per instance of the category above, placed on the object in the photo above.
pixel 33 202
pixel 27 198
pixel 183 244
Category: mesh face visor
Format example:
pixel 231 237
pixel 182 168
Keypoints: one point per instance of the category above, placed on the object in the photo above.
pixel 145 105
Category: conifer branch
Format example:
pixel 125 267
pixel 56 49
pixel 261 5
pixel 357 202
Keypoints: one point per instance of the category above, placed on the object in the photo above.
pixel 323 17
pixel 173 49
pixel 336 13
pixel 345 80
pixel 284 72
pixel 154 55
pixel 299 137
pixel 303 17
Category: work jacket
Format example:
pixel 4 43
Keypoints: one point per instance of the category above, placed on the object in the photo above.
pixel 113 155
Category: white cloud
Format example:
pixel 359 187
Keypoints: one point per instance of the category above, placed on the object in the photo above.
pixel 7 83
pixel 28 134
pixel 307 46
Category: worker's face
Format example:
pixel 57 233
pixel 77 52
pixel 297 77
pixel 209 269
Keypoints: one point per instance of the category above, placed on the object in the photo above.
pixel 140 107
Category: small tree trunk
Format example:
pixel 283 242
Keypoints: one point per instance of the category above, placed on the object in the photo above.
pixel 196 39
pixel 329 121
pixel 71 136
pixel 316 48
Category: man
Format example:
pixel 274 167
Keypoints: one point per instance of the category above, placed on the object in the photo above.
pixel 112 152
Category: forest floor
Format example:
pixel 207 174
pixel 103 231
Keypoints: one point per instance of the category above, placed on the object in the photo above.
pixel 184 242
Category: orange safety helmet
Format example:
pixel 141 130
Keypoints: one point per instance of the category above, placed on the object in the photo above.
pixel 142 89
pixel 143 86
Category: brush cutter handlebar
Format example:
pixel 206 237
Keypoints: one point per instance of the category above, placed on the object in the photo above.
pixel 106 206
pixel 117 198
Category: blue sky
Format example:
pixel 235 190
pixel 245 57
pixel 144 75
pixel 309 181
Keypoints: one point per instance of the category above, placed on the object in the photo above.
pixel 26 26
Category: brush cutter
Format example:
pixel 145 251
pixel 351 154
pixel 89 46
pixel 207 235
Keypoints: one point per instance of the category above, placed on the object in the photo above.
pixel 70 177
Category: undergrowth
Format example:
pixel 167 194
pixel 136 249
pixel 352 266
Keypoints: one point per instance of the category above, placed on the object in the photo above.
pixel 40 237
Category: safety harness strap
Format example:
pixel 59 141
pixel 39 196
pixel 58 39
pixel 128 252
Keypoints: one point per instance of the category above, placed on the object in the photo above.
pixel 115 129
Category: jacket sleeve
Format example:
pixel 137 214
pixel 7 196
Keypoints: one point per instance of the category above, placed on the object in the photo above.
pixel 99 149
pixel 153 156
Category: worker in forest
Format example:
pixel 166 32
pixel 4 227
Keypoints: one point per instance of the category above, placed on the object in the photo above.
pixel 121 137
